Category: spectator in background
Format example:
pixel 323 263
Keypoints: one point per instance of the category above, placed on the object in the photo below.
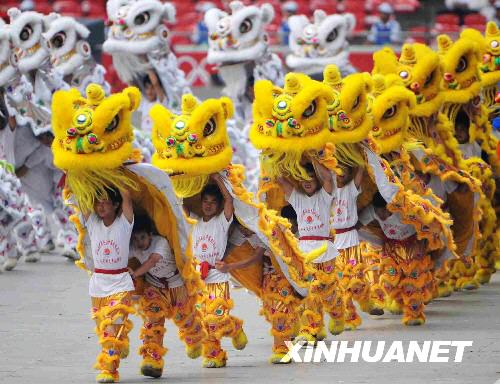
pixel 464 7
pixel 288 9
pixel 489 11
pixel 386 30
pixel 27 5
pixel 200 33
pixel 496 14
pixel 150 98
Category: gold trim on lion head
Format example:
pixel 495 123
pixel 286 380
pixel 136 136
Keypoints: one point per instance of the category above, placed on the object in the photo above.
pixel 419 68
pixel 95 132
pixel 196 141
pixel 391 111
pixel 350 112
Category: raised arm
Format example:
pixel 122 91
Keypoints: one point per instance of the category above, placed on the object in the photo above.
pixel 228 199
pixel 286 185
pixel 256 257
pixel 157 85
pixel 324 175
pixel 127 206
pixel 358 177
pixel 153 259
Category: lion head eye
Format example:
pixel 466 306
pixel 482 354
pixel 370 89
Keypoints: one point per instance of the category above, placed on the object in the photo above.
pixel 356 103
pixel 141 18
pixel 390 112
pixel 309 111
pixel 332 35
pixel 26 32
pixel 58 40
pixel 462 65
pixel 209 127
pixel 114 124
pixel 429 78
pixel 246 26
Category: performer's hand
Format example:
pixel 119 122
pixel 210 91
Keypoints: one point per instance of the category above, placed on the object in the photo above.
pixel 21 171
pixel 221 266
pixel 131 271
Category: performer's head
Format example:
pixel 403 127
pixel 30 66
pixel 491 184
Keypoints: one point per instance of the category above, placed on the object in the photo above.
pixel 149 89
pixel 46 138
pixel 289 213
pixel 462 124
pixel 107 207
pixel 311 186
pixel 142 233
pixel 244 230
pixel 211 201
pixel 346 177
pixel 380 206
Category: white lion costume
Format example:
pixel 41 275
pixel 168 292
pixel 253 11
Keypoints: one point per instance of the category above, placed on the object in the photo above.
pixel 239 46
pixel 31 54
pixel 138 42
pixel 70 53
pixel 315 44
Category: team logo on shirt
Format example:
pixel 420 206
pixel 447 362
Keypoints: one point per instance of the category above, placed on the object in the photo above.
pixel 309 219
pixel 204 247
pixel 107 251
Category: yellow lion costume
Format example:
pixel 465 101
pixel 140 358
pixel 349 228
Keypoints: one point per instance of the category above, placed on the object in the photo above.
pixel 191 146
pixel 93 146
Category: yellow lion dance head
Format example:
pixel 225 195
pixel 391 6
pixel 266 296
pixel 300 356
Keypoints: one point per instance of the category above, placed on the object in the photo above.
pixel 194 144
pixel 391 113
pixel 288 122
pixel 93 137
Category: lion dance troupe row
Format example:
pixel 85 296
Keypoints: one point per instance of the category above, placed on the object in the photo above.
pixel 326 193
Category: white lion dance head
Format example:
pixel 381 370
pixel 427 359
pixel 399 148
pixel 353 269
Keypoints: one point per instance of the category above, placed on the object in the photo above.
pixel 26 34
pixel 319 43
pixel 138 43
pixel 7 70
pixel 239 45
pixel 70 52
pixel 136 30
pixel 240 36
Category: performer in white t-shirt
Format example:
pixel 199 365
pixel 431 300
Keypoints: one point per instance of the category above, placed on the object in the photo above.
pixel 312 203
pixel 209 240
pixel 109 228
pixel 349 264
pixel 400 264
pixel 164 289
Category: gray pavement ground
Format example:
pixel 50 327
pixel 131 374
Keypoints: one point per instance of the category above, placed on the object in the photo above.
pixel 46 336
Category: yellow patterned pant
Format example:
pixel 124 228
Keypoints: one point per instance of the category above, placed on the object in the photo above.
pixel 352 274
pixel 112 327
pixel 325 295
pixel 158 304
pixel 218 322
pixel 279 307
pixel 403 276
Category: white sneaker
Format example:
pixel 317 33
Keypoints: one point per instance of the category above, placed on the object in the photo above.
pixel 10 264
pixel 32 258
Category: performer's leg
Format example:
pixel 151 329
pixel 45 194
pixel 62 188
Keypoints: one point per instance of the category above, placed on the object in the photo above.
pixel 279 305
pixel 219 323
pixel 413 281
pixel 112 328
pixel 331 295
pixel 188 318
pixel 389 278
pixel 371 258
pixel 154 307
pixel 8 252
